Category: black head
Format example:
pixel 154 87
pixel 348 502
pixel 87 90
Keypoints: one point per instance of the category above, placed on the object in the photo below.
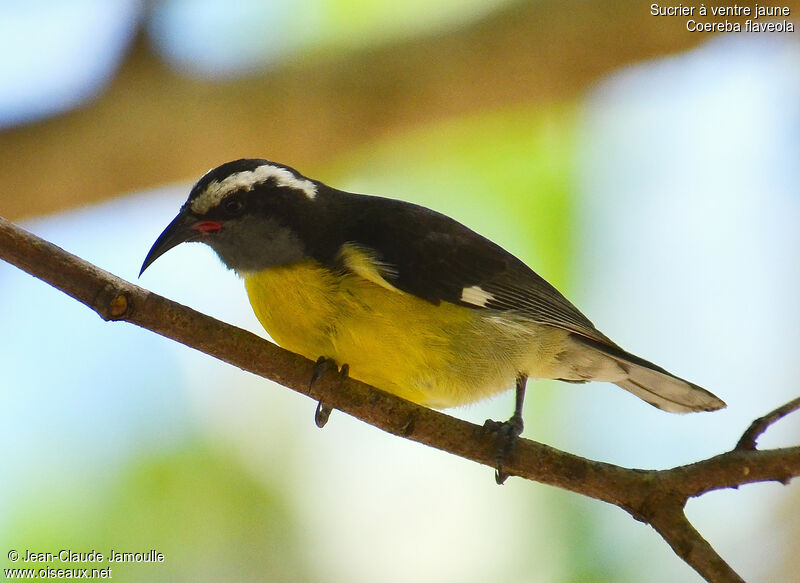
pixel 244 210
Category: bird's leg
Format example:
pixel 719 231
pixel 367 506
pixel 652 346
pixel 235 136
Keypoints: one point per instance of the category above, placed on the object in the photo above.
pixel 508 431
pixel 321 367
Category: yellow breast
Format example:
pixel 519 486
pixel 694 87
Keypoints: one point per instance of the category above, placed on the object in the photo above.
pixel 436 355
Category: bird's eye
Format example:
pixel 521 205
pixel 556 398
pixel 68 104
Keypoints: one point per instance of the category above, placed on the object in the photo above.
pixel 233 206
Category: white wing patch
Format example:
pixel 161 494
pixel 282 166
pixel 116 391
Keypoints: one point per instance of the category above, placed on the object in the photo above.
pixel 476 296
pixel 216 191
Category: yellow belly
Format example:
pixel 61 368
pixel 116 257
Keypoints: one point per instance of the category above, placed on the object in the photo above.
pixel 436 355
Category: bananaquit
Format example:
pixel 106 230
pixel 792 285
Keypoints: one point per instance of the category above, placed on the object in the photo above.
pixel 414 302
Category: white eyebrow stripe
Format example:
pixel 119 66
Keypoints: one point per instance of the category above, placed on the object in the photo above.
pixel 476 296
pixel 246 180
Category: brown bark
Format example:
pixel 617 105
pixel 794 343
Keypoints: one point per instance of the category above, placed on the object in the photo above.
pixel 656 497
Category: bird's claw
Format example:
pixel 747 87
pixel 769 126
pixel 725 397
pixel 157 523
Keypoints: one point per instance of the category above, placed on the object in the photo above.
pixel 321 415
pixel 507 433
pixel 321 367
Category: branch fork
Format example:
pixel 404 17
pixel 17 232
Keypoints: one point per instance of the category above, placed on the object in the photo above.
pixel 655 497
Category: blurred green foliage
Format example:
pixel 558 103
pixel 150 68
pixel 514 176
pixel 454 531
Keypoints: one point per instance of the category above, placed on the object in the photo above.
pixel 210 517
pixel 507 174
pixel 361 22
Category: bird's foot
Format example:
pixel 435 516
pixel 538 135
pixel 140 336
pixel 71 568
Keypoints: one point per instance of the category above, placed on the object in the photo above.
pixel 322 367
pixel 506 433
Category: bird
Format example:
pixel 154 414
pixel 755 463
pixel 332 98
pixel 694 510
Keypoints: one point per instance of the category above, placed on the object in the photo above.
pixel 402 297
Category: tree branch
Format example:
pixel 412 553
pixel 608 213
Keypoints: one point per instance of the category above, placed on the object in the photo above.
pixel 672 524
pixel 760 425
pixel 656 497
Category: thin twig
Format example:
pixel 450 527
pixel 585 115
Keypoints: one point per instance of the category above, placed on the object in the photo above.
pixel 760 425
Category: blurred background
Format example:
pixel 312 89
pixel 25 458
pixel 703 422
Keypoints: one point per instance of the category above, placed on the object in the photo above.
pixel 648 172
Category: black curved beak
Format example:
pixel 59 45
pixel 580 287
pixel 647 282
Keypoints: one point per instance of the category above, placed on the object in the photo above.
pixel 181 229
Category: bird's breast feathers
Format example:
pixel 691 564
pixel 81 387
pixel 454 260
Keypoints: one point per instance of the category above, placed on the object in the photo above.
pixel 438 355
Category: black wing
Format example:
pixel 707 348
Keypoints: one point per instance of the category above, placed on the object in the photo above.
pixel 434 257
